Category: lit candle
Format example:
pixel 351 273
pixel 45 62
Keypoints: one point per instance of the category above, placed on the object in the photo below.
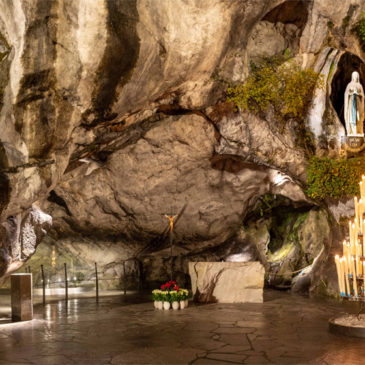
pixel 361 193
pixel 363 281
pixel 356 204
pixel 346 272
pixel 339 275
pixel 350 232
pixel 361 212
pixel 354 232
pixel 354 281
pixel 358 257
pixel 344 246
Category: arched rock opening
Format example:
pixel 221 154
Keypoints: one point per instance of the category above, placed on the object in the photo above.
pixel 294 12
pixel 348 63
pixel 287 236
pixel 279 31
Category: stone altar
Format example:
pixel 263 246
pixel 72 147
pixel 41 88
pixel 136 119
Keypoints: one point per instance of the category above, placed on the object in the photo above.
pixel 227 282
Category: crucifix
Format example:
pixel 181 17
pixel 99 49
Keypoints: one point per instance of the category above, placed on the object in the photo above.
pixel 171 218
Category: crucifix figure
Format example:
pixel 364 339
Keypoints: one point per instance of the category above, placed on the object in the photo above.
pixel 171 218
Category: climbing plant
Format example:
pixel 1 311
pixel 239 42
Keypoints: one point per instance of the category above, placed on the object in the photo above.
pixel 360 28
pixel 334 178
pixel 283 85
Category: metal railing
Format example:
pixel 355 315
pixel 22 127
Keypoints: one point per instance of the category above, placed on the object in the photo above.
pixel 46 284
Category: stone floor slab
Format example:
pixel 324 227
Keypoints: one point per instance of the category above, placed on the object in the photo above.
pixel 284 329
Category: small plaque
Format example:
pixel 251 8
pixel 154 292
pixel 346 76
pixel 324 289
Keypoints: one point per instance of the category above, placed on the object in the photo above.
pixel 353 144
pixel 355 141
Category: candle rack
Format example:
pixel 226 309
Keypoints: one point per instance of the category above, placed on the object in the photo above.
pixel 351 272
pixel 351 265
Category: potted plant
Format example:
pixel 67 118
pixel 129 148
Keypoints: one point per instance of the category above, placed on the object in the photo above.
pixel 170 295
pixel 183 298
pixel 167 288
pixel 166 299
pixel 157 297
pixel 174 297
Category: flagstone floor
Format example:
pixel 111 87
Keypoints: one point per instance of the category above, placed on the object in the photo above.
pixel 285 329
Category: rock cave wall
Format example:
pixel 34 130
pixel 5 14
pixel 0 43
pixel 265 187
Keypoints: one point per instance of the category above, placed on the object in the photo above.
pixel 113 115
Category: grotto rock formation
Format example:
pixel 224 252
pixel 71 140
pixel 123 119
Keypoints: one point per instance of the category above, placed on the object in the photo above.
pixel 113 114
pixel 20 236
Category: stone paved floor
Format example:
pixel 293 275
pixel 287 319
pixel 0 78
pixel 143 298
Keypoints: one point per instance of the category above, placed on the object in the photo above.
pixel 284 330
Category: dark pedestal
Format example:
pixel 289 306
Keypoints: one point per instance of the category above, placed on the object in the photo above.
pixel 21 297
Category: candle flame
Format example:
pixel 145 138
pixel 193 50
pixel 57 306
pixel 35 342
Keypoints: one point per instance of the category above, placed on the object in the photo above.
pixel 336 257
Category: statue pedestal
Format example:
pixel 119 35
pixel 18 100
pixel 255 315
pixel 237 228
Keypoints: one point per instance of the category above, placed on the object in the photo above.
pixel 227 282
pixel 353 144
pixel 21 297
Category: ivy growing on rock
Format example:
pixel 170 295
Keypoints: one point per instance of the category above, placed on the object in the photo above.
pixel 283 85
pixel 360 28
pixel 334 178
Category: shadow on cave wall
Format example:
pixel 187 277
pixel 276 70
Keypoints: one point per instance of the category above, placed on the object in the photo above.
pixel 292 11
pixel 348 63
pixel 287 235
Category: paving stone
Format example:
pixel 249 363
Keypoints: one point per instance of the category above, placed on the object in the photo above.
pixel 256 359
pixel 227 357
pixel 119 331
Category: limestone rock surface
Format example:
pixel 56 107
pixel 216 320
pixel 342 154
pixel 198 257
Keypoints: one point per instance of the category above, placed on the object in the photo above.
pixel 227 282
pixel 20 236
pixel 112 115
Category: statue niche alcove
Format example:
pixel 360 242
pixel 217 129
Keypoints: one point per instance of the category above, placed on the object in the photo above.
pixel 347 64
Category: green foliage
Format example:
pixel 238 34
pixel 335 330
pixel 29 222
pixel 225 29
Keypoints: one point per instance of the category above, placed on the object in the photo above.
pixel 157 295
pixel 80 276
pixel 360 28
pixel 334 178
pixel 174 297
pixel 285 86
pixel 332 68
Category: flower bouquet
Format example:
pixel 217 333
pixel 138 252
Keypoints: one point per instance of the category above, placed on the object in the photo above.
pixel 170 295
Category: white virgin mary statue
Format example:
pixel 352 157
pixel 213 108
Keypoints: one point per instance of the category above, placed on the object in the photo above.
pixel 354 107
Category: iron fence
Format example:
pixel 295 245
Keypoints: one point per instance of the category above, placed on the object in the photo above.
pixel 66 283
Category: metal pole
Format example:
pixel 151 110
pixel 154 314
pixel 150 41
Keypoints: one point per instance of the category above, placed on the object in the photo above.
pixel 66 283
pixel 171 254
pixel 43 285
pixel 96 282
pixel 124 279
pixel 139 264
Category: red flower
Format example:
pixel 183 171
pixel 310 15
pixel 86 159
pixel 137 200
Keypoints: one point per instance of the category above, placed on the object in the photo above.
pixel 168 285
pixel 162 287
pixel 176 288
